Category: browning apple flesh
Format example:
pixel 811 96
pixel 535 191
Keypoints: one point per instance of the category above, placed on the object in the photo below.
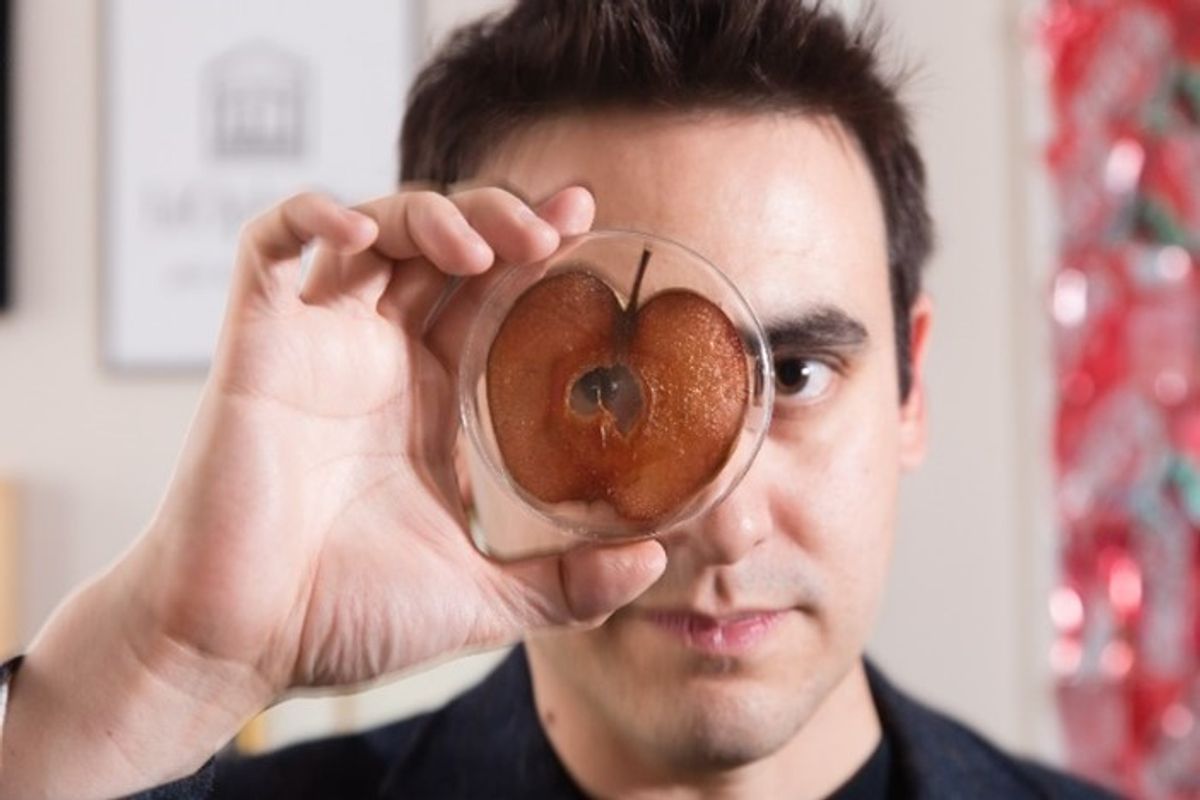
pixel 639 407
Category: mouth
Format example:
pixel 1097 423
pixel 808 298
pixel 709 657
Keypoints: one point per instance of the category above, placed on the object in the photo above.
pixel 725 635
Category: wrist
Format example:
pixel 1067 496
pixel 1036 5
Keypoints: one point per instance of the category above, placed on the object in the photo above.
pixel 100 711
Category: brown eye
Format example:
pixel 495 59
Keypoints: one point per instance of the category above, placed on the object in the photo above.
pixel 803 379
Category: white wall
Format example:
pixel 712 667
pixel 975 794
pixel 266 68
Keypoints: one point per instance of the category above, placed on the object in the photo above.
pixel 963 625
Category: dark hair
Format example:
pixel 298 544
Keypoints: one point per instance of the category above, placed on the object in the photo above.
pixel 548 56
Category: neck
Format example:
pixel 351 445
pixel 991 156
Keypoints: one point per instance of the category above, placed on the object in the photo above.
pixel 836 740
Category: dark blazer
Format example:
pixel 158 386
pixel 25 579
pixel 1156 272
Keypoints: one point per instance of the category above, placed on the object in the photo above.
pixel 488 743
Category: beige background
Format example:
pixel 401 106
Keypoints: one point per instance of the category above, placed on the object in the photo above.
pixel 10 611
pixel 964 625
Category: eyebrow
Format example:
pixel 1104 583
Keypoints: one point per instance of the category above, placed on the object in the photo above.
pixel 821 327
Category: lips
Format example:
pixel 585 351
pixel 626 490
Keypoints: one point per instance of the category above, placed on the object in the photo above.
pixel 726 635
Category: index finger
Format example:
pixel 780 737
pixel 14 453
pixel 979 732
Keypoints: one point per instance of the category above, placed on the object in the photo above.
pixel 270 244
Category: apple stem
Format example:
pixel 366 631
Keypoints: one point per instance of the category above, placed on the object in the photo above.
pixel 631 309
pixel 625 326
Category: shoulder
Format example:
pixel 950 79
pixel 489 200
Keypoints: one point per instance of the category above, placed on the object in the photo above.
pixel 937 756
pixel 487 742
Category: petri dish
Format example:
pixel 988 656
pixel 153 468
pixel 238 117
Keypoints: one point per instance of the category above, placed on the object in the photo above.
pixel 612 391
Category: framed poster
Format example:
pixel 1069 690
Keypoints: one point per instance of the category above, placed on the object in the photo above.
pixel 214 111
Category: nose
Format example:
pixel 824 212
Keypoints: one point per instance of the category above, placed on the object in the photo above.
pixel 731 529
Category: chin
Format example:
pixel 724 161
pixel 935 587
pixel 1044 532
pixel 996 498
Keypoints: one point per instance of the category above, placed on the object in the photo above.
pixel 717 725
pixel 697 712
pixel 712 713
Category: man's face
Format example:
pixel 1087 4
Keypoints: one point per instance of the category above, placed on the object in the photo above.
pixel 768 600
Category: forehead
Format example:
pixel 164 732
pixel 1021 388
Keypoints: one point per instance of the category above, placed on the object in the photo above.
pixel 783 202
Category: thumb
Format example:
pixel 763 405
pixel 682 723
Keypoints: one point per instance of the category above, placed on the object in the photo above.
pixel 587 584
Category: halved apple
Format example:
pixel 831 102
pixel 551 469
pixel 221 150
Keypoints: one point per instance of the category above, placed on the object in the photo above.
pixel 639 407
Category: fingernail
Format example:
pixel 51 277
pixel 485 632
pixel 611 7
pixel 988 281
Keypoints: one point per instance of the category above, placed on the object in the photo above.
pixel 528 216
pixel 542 229
pixel 469 235
pixel 364 227
pixel 481 252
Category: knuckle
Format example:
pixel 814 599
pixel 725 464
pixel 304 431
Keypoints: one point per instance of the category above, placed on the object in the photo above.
pixel 426 199
pixel 496 195
pixel 303 199
pixel 247 229
pixel 490 200
pixel 252 229
pixel 298 206
pixel 423 206
pixel 271 218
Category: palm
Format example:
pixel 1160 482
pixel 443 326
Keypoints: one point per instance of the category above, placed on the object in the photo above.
pixel 337 430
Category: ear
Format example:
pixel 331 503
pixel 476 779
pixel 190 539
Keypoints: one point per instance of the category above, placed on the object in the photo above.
pixel 913 424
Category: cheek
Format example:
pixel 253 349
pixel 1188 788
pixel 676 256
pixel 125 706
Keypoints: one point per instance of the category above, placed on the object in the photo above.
pixel 838 499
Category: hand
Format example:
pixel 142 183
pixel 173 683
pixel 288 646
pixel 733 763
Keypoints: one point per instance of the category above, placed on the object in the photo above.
pixel 313 533
pixel 316 512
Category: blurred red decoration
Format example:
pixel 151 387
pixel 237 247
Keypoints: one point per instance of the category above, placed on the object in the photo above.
pixel 1125 302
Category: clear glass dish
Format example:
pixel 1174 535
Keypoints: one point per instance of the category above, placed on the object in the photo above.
pixel 612 391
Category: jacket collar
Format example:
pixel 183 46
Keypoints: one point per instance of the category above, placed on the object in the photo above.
pixel 493 740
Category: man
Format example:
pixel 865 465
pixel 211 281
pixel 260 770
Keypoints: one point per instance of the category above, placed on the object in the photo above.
pixel 313 534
